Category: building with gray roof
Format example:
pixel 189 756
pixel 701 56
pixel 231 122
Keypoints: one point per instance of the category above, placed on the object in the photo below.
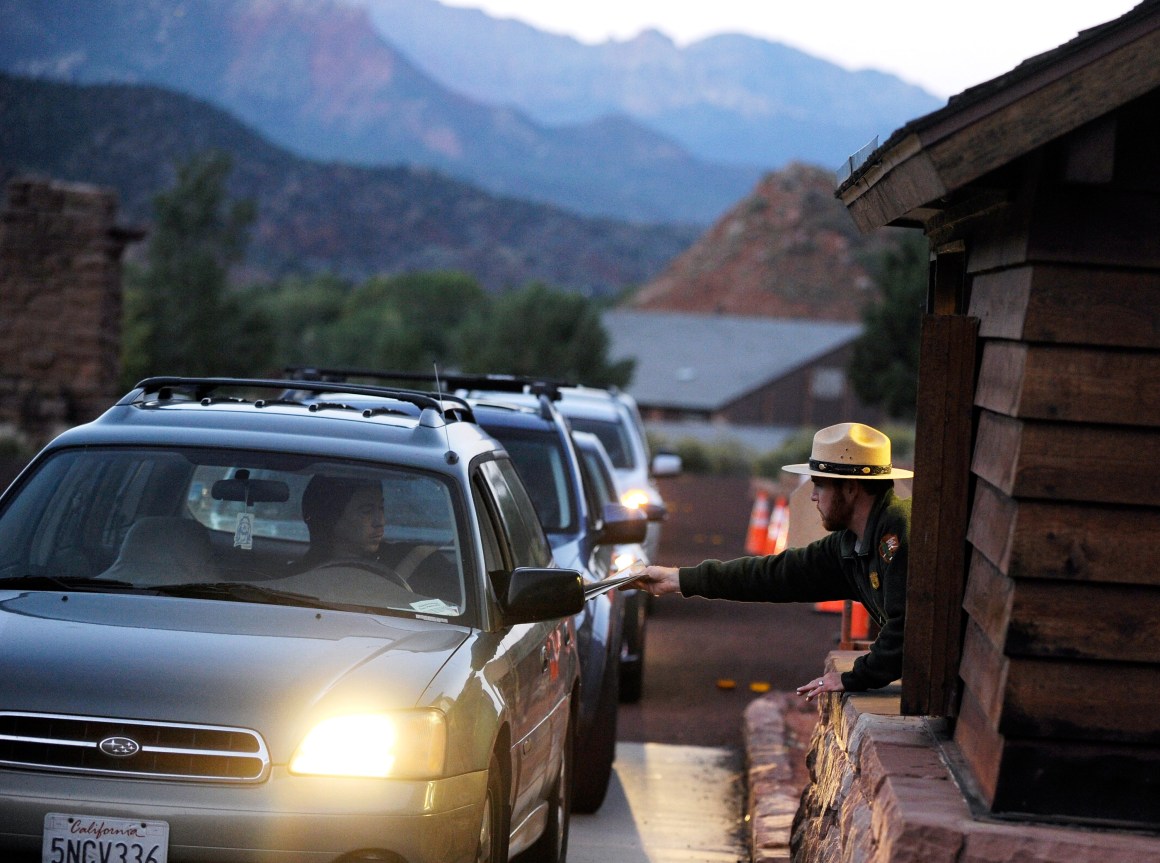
pixel 726 370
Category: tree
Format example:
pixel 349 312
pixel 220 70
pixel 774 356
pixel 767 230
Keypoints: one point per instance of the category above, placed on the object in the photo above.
pixel 884 365
pixel 427 309
pixel 541 332
pixel 180 318
pixel 303 313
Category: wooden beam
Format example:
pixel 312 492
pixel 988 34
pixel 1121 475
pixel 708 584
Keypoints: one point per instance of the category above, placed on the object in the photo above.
pixel 937 564
pixel 1102 782
pixel 1085 93
pixel 1095 226
pixel 1037 539
pixel 1105 784
pixel 981 745
pixel 912 184
pixel 948 280
pixel 987 602
pixel 1069 305
pixel 1095 464
pixel 1071 384
pixel 955 147
pixel 1107 623
pixel 984 672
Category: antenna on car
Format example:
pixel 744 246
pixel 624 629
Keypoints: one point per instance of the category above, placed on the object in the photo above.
pixel 450 455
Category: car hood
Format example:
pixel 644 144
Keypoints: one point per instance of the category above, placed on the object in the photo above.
pixel 274 669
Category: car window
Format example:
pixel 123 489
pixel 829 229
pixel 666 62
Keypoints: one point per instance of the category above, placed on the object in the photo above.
pixel 596 478
pixel 494 558
pixel 613 435
pixel 542 464
pixel 528 544
pixel 165 519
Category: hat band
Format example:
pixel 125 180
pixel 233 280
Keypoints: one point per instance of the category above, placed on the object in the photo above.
pixel 851 469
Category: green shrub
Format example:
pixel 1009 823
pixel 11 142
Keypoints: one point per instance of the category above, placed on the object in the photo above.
pixel 734 459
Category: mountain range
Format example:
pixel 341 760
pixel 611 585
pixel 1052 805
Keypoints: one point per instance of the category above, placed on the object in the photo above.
pixel 730 98
pixel 317 217
pixel 640 130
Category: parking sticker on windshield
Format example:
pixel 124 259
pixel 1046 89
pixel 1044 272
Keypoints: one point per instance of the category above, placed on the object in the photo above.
pixel 433 606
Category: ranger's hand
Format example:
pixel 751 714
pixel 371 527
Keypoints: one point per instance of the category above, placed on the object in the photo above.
pixel 829 682
pixel 657 580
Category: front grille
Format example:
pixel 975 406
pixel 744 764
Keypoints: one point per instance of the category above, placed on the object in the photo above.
pixel 164 750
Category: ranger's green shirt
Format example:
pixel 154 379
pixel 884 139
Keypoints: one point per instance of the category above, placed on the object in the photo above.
pixel 872 572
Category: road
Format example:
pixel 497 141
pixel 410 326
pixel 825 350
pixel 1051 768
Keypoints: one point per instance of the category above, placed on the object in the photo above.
pixel 694 647
pixel 666 804
pixel 677 793
pixel 678 789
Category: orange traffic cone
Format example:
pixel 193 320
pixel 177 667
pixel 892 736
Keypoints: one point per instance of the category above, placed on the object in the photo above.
pixel 859 622
pixel 758 525
pixel 778 531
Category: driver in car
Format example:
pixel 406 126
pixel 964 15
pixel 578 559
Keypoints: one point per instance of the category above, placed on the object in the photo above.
pixel 346 518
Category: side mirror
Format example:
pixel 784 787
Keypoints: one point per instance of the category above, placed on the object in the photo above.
pixel 535 594
pixel 655 511
pixel 666 464
pixel 623 524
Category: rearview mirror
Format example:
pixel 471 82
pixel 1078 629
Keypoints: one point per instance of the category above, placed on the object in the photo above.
pixel 251 490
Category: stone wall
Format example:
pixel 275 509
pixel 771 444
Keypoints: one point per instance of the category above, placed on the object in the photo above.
pixel 60 306
pixel 886 788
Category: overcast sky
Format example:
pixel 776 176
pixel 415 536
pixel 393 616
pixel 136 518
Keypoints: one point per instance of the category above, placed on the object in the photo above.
pixel 942 46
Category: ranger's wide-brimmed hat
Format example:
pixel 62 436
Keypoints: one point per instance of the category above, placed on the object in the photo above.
pixel 850 451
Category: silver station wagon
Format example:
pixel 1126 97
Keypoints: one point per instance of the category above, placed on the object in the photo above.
pixel 239 626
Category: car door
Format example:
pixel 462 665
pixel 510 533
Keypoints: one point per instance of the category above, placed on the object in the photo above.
pixel 539 717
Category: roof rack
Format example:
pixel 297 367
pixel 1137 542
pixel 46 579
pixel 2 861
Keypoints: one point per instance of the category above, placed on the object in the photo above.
pixel 449 406
pixel 446 381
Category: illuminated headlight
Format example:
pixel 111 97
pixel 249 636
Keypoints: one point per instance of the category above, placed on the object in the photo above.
pixel 635 498
pixel 405 745
pixel 623 561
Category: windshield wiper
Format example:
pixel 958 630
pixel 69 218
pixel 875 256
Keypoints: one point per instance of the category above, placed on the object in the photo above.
pixel 49 582
pixel 241 592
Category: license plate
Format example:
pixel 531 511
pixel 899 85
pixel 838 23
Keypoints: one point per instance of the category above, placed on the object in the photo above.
pixel 85 839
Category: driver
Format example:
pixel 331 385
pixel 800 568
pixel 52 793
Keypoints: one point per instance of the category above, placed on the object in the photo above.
pixel 346 518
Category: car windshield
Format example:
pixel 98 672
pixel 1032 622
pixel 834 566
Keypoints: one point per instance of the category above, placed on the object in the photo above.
pixel 613 435
pixel 241 526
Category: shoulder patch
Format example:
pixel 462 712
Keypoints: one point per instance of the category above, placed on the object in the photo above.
pixel 888 547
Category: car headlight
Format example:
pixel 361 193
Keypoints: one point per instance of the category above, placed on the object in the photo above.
pixel 635 498
pixel 623 561
pixel 404 745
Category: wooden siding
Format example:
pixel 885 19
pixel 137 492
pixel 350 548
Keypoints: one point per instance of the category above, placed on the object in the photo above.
pixel 1060 666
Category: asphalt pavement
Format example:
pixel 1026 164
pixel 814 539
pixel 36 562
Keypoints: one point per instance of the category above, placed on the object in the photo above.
pixel 667 804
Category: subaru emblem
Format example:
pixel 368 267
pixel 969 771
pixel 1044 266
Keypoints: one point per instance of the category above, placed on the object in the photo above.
pixel 119 747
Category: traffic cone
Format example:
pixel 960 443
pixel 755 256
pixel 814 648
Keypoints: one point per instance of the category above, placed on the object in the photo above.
pixel 778 532
pixel 859 622
pixel 755 539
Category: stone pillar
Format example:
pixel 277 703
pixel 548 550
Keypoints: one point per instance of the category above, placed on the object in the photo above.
pixel 60 306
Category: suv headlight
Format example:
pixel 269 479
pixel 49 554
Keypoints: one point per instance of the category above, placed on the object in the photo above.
pixel 404 745
pixel 635 498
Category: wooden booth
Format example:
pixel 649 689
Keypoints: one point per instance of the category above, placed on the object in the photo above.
pixel 1033 617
